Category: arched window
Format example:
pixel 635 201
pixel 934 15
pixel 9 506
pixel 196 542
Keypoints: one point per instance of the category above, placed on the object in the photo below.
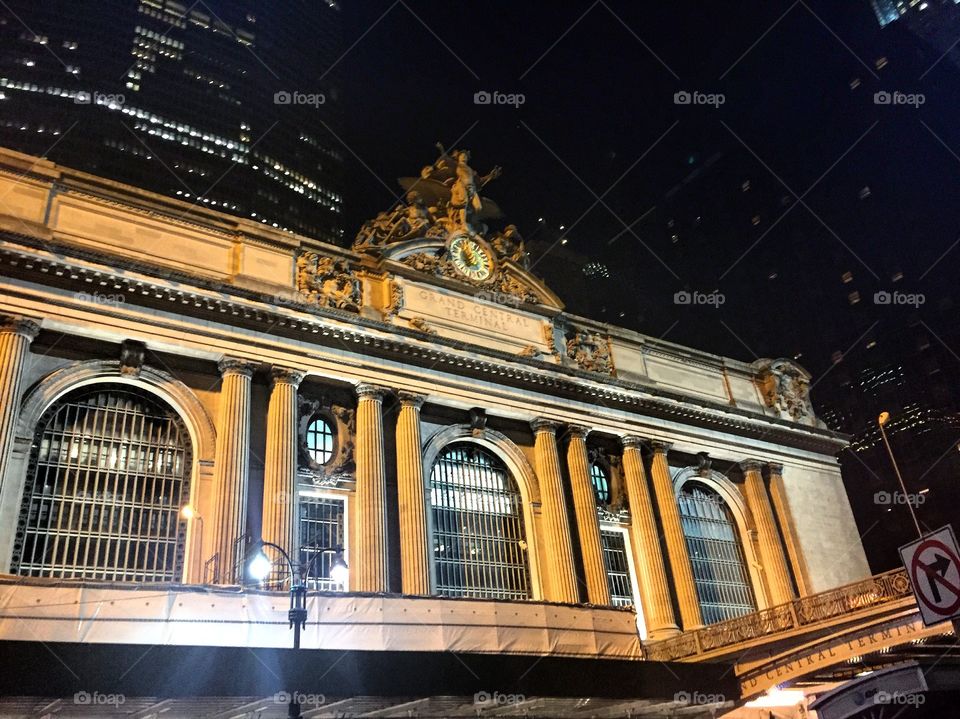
pixel 109 470
pixel 719 569
pixel 320 440
pixel 601 483
pixel 479 545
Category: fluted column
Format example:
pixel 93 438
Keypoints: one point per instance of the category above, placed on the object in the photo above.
pixel 771 548
pixel 280 462
pixel 654 587
pixel 369 559
pixel 16 334
pixel 778 494
pixel 585 506
pixel 414 554
pixel 232 470
pixel 561 574
pixel 676 541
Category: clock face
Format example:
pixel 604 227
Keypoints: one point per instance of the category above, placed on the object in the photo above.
pixel 471 258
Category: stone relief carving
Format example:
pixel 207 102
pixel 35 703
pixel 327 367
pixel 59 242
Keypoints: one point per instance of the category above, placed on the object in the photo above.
pixel 418 323
pixel 785 386
pixel 591 352
pixel 396 300
pixel 344 424
pixel 327 282
pixel 445 203
pixel 132 354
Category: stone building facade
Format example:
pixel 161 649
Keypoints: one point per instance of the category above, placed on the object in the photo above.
pixel 420 401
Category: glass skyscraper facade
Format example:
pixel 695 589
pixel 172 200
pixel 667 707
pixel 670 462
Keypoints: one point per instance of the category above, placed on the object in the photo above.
pixel 232 105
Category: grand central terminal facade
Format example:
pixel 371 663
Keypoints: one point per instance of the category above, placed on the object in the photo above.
pixel 537 496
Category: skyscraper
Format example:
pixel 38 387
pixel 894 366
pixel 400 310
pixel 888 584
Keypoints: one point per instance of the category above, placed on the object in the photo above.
pixel 226 104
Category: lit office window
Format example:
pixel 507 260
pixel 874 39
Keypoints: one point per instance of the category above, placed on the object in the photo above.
pixel 719 569
pixel 601 483
pixel 618 567
pixel 109 470
pixel 479 544
pixel 320 440
pixel 321 528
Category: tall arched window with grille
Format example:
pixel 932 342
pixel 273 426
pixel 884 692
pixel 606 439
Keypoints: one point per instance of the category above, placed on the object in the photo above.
pixel 719 568
pixel 109 470
pixel 479 545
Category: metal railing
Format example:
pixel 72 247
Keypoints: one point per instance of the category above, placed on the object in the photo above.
pixel 868 593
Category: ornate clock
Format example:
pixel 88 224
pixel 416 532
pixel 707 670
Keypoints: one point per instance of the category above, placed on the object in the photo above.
pixel 470 258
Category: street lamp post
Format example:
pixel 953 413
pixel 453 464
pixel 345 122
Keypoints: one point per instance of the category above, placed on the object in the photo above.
pixel 260 567
pixel 882 421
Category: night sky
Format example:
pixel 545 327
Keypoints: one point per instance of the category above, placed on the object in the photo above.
pixel 599 145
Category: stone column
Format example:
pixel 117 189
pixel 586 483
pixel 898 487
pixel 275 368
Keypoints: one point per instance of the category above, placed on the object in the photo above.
pixel 676 541
pixel 778 494
pixel 771 549
pixel 16 334
pixel 585 506
pixel 280 520
pixel 368 561
pixel 414 543
pixel 560 571
pixel 648 558
pixel 232 465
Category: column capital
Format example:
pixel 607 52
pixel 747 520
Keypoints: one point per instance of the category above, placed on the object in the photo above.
pixel 775 468
pixel 751 465
pixel 578 431
pixel 632 441
pixel 232 365
pixel 286 375
pixel 659 446
pixel 366 390
pixel 411 399
pixel 23 326
pixel 540 424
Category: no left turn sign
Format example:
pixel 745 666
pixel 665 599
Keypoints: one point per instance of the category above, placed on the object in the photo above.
pixel 933 565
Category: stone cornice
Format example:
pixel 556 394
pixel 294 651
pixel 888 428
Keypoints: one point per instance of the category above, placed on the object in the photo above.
pixel 221 303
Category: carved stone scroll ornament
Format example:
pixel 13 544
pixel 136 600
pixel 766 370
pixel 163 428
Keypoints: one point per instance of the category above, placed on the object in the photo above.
pixel 327 282
pixel 591 352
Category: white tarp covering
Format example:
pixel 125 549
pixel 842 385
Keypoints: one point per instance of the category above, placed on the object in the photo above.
pixel 34 610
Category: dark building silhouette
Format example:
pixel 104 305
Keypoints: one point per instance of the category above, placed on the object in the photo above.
pixel 228 104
